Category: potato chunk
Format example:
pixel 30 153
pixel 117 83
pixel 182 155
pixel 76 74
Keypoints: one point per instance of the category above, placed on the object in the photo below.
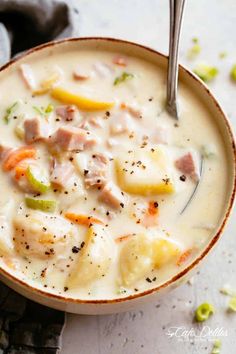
pixel 40 235
pixel 164 251
pixel 136 259
pixel 145 171
pixel 95 258
pixel 141 254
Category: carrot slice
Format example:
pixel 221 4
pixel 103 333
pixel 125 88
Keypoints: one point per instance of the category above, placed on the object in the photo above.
pixel 184 257
pixel 81 219
pixel 152 208
pixel 20 171
pixel 18 155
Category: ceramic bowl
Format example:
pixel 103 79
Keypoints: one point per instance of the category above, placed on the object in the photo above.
pixel 200 89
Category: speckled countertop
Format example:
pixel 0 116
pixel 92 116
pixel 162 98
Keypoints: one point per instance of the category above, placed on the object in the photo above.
pixel 145 330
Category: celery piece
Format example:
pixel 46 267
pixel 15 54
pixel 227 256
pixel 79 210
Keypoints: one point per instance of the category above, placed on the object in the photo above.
pixel 206 72
pixel 41 204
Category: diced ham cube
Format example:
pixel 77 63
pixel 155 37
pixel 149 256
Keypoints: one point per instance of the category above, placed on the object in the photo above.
pixel 80 75
pixel 66 113
pixel 73 139
pixel 112 195
pixel 28 76
pixel 35 130
pixel 4 151
pixel 186 165
pixel 96 174
pixel 120 60
pixel 61 173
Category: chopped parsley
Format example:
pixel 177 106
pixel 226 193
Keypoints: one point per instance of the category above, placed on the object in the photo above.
pixel 43 111
pixel 11 109
pixel 122 78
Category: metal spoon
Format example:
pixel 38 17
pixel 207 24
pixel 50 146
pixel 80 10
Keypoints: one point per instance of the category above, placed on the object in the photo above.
pixel 176 14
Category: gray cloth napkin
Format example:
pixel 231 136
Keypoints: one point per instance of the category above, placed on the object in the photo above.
pixel 27 327
pixel 27 23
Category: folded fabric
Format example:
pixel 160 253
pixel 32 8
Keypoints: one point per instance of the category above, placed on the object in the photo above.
pixel 27 23
pixel 27 327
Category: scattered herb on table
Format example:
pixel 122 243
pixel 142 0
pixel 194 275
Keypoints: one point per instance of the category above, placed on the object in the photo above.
pixel 122 78
pixel 232 304
pixel 195 50
pixel 228 290
pixel 206 72
pixel 233 73
pixel 216 347
pixel 203 312
pixel 222 55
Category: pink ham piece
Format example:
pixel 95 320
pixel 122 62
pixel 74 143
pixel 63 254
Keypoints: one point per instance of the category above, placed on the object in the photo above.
pixel 27 76
pixel 66 113
pixel 61 173
pixel 186 165
pixel 112 195
pixel 96 174
pixel 80 75
pixel 73 139
pixel 120 60
pixel 35 130
pixel 4 151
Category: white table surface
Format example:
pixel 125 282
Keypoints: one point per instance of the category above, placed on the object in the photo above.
pixel 144 331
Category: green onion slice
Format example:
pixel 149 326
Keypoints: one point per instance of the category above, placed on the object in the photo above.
pixel 203 312
pixel 41 204
pixel 37 179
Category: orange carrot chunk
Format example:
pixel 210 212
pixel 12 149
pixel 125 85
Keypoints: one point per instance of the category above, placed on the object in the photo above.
pixel 81 219
pixel 18 155
pixel 184 257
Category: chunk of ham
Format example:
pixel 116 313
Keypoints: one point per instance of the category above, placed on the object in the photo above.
pixel 61 173
pixel 80 75
pixel 96 174
pixel 120 60
pixel 28 76
pixel 73 139
pixel 4 151
pixel 186 165
pixel 35 130
pixel 66 113
pixel 112 195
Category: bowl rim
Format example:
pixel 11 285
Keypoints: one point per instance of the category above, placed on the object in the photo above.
pixel 215 238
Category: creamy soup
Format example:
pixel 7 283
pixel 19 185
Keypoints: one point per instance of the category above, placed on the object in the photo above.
pixel 102 193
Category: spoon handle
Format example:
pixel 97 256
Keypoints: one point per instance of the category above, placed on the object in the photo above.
pixel 176 14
